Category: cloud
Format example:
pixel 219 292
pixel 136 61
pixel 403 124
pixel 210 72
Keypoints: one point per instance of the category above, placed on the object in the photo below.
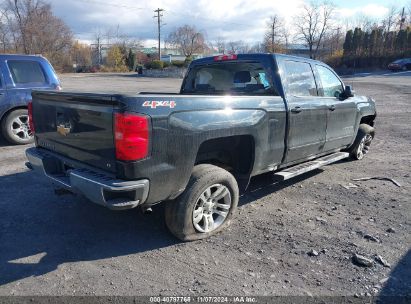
pixel 234 20
pixel 370 10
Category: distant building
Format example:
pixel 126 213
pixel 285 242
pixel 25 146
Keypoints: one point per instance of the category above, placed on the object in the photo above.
pixel 298 50
pixel 170 58
pixel 100 52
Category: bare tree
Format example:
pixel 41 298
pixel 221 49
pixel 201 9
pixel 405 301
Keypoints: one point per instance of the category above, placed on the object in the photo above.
pixel 35 28
pixel 313 23
pixel 363 22
pixel 286 38
pixel 4 33
pixel 81 54
pixel 29 26
pixel 25 13
pixel 238 46
pixel 221 45
pixel 333 40
pixel 274 36
pixel 409 12
pixel 188 39
pixel 257 48
pixel 391 19
pixel 97 57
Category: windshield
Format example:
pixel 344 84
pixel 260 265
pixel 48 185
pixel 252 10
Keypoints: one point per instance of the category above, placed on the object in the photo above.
pixel 234 78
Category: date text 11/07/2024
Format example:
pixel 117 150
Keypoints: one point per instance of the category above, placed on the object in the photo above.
pixel 203 299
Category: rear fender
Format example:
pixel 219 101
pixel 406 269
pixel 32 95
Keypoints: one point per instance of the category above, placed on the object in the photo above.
pixel 188 130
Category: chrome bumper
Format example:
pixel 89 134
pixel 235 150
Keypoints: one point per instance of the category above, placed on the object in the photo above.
pixel 97 187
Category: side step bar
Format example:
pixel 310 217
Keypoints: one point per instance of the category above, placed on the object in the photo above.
pixel 310 165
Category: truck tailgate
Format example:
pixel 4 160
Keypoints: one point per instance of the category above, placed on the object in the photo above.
pixel 78 126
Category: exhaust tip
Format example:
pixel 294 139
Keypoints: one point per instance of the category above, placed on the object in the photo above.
pixel 147 210
pixel 29 165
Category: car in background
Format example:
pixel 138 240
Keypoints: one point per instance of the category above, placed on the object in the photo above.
pixel 400 65
pixel 19 75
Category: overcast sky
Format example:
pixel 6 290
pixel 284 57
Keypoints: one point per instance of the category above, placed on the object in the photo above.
pixel 233 20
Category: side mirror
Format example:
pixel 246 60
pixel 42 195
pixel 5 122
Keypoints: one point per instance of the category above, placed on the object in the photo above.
pixel 348 92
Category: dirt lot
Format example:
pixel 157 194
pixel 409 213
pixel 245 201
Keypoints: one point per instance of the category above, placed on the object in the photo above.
pixel 63 245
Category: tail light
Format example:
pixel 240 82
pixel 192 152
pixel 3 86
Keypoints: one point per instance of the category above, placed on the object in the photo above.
pixel 30 110
pixel 131 133
pixel 225 57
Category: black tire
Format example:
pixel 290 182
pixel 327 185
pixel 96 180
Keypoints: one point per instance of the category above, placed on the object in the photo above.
pixel 179 214
pixel 9 127
pixel 362 142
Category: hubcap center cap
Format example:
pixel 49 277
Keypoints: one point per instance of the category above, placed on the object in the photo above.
pixel 208 205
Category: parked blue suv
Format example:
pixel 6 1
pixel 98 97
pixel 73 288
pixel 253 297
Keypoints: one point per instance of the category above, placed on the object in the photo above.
pixel 19 74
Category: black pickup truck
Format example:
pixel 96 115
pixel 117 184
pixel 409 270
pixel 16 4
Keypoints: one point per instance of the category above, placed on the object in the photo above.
pixel 236 116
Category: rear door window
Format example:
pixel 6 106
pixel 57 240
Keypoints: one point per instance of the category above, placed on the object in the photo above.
pixel 300 78
pixel 331 85
pixel 26 72
pixel 239 78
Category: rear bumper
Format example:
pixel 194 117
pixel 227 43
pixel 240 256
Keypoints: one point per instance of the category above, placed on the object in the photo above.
pixel 98 187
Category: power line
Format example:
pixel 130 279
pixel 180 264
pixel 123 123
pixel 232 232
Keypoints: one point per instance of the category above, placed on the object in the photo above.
pixel 112 4
pixel 206 18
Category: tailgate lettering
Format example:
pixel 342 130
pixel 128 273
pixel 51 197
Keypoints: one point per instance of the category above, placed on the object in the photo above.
pixel 159 103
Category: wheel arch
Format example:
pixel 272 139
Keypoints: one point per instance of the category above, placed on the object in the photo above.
pixel 368 119
pixel 7 112
pixel 236 154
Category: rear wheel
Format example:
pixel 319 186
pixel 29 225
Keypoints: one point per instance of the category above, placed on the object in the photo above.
pixel 206 206
pixel 15 127
pixel 362 142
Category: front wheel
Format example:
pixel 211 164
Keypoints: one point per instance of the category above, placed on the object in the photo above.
pixel 16 129
pixel 362 142
pixel 206 206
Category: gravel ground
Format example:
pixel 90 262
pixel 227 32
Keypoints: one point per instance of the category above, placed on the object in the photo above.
pixel 293 238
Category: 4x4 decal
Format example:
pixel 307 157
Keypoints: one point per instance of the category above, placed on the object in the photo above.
pixel 159 103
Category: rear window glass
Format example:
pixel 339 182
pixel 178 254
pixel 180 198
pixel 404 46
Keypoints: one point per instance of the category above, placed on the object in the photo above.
pixel 26 72
pixel 239 78
pixel 300 79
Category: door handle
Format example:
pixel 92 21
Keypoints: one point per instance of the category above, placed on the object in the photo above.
pixel 331 108
pixel 296 110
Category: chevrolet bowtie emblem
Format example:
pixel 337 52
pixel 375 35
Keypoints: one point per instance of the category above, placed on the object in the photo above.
pixel 63 130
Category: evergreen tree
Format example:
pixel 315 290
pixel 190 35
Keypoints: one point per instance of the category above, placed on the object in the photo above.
pixel 389 41
pixel 357 41
pixel 131 60
pixel 379 42
pixel 409 40
pixel 347 47
pixel 366 44
pixel 373 42
pixel 401 41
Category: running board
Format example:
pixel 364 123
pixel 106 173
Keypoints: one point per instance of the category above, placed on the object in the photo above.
pixel 310 165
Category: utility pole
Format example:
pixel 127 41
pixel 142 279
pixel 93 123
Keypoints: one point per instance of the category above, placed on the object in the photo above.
pixel 273 36
pixel 98 51
pixel 158 16
pixel 402 18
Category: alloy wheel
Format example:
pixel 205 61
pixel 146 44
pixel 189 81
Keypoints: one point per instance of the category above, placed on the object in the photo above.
pixel 212 208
